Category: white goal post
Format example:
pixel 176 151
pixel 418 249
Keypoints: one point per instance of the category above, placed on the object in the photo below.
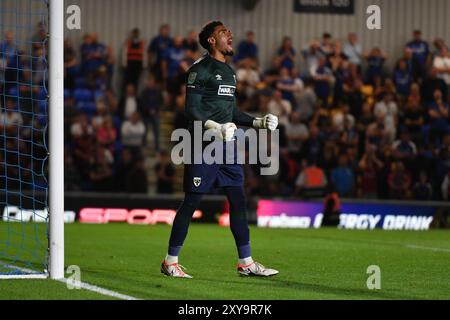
pixel 56 137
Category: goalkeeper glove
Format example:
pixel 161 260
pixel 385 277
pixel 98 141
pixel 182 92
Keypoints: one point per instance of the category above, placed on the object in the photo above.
pixel 226 131
pixel 268 122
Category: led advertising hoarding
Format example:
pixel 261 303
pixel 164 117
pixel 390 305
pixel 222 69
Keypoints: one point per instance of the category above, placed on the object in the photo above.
pixel 361 216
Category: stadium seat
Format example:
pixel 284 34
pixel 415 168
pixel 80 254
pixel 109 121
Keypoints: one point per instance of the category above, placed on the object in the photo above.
pixel 87 107
pixel 81 83
pixel 83 95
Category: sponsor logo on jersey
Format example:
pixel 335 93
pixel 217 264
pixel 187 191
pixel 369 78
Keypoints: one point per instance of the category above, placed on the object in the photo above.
pixel 192 77
pixel 225 90
pixel 197 181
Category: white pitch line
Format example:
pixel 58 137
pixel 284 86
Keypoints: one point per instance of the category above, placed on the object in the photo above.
pixel 412 246
pixel 100 290
pixel 32 274
pixel 29 274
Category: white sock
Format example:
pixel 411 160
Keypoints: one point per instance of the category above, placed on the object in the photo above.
pixel 171 259
pixel 246 261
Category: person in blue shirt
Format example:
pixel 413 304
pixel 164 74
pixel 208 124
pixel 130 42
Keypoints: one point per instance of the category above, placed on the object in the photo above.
pixel 171 61
pixel 343 177
pixel 287 54
pixel 375 62
pixel 322 77
pixel 156 49
pixel 438 112
pixel 421 52
pixel 402 79
pixel 247 49
pixel 10 59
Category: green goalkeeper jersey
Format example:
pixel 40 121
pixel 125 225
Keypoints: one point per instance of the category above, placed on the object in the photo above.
pixel 210 93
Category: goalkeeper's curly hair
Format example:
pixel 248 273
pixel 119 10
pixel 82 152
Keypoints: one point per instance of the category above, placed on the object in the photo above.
pixel 207 31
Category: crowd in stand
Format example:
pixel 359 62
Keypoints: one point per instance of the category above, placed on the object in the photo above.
pixel 348 122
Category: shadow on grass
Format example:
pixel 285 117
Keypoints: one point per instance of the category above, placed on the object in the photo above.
pixel 157 286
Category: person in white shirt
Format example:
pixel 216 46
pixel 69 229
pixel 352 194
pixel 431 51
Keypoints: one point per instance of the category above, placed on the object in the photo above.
pixel 353 50
pixel 130 103
pixel 441 65
pixel 248 77
pixel 280 108
pixel 10 119
pixel 297 133
pixel 133 131
pixel 388 108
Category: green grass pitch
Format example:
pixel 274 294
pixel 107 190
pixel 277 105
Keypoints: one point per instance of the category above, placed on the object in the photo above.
pixel 313 264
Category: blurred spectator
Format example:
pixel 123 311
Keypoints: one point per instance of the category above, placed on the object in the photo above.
pixel 191 43
pixel 101 173
pixel 156 48
pixel 420 51
pixel 129 104
pixel 388 109
pixel 152 101
pixel 287 54
pixel 136 180
pixel 9 61
pixel 438 112
pixel 123 168
pixel 311 55
pixel 323 77
pixel 93 54
pixel 377 134
pixel 326 46
pixel 311 181
pixel 10 119
pixel 441 64
pixel 313 146
pixel 307 101
pixel 353 50
pixel 297 133
pixel 332 207
pixel 181 119
pixel 336 56
pixel 72 179
pixel 399 181
pixel 280 107
pixel 422 190
pixel 402 79
pixel 247 77
pixel 107 134
pixel 70 64
pixel 133 133
pixel 343 177
pixel 172 59
pixel 375 62
pixel 83 146
pixel 247 49
pixel 289 86
pixel 445 187
pixel 369 169
pixel 404 149
pixel 414 120
pixel 39 36
pixel 133 58
pixel 165 173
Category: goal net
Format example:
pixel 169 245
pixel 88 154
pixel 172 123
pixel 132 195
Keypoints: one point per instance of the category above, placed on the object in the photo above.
pixel 24 103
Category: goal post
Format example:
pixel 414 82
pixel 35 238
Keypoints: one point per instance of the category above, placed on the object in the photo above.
pixel 56 139
pixel 31 139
